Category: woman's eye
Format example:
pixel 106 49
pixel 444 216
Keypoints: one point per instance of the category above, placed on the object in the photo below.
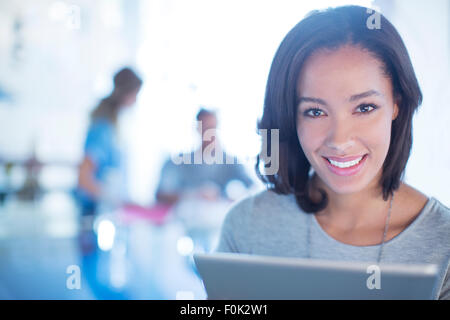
pixel 365 108
pixel 314 112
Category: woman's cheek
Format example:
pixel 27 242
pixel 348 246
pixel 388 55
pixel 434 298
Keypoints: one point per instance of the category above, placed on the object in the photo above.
pixel 311 138
pixel 376 137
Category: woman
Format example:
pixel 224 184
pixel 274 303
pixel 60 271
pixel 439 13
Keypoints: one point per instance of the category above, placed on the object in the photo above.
pixel 342 97
pixel 101 152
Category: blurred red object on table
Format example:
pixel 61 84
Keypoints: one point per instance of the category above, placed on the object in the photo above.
pixel 157 213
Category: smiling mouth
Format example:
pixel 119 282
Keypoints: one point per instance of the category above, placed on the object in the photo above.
pixel 345 164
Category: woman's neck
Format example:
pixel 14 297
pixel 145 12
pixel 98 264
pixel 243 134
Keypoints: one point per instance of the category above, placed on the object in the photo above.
pixel 354 210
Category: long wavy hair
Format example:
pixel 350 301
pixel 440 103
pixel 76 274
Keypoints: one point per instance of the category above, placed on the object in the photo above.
pixel 331 29
pixel 126 82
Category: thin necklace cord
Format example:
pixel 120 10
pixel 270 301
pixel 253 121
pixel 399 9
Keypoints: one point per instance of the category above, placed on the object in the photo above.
pixel 386 228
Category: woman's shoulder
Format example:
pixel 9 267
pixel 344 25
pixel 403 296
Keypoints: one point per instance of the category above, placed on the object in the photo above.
pixel 101 124
pixel 422 211
pixel 439 213
pixel 428 216
pixel 262 204
pixel 430 206
pixel 100 129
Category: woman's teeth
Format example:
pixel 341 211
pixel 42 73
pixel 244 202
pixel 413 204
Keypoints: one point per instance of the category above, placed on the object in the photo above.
pixel 345 164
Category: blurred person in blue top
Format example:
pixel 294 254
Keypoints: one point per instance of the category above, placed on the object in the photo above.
pixel 102 156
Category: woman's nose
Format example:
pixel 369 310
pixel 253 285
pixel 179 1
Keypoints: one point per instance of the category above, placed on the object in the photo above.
pixel 340 137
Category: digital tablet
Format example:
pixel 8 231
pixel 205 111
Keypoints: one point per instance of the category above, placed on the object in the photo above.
pixel 252 277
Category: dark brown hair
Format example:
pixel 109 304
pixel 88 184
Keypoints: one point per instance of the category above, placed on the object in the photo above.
pixel 125 82
pixel 204 112
pixel 331 29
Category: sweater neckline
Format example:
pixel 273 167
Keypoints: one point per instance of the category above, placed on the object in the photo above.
pixel 404 233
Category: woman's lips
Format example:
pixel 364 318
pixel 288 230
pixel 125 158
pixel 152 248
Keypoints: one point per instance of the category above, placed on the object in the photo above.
pixel 344 159
pixel 346 171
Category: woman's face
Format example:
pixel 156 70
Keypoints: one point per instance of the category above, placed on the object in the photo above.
pixel 346 109
pixel 130 98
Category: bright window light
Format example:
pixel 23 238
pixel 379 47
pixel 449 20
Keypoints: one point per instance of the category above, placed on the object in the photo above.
pixel 212 53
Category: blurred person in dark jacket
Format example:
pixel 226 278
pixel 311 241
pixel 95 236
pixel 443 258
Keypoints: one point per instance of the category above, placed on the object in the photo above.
pixel 205 172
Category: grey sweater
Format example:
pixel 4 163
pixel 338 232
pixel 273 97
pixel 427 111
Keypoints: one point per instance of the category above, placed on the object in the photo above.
pixel 271 224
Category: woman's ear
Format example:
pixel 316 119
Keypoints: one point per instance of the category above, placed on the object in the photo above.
pixel 397 102
pixel 395 113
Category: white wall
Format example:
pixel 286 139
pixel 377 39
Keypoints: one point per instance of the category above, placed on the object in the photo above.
pixel 425 29
pixel 60 73
pixel 216 53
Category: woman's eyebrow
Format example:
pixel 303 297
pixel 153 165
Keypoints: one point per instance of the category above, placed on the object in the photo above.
pixel 315 100
pixel 352 98
pixel 364 95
